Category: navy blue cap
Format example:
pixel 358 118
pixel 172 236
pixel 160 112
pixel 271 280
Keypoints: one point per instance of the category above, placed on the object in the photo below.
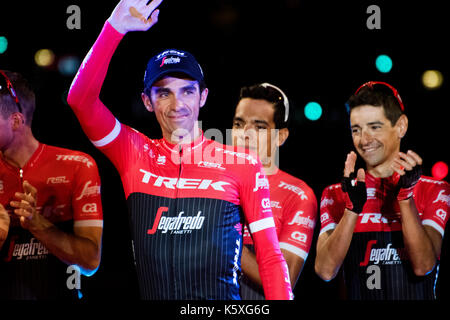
pixel 170 61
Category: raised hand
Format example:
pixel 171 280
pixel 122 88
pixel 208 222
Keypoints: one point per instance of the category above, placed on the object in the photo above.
pixel 409 167
pixel 134 15
pixel 356 191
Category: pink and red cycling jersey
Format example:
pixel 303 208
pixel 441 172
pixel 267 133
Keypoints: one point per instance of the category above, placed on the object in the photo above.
pixel 294 207
pixel 187 203
pixel 68 196
pixel 377 264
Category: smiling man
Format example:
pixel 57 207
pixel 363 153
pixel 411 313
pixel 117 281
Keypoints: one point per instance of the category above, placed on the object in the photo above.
pixel 386 226
pixel 187 195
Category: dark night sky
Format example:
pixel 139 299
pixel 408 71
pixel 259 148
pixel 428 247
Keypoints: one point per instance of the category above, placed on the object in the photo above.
pixel 315 50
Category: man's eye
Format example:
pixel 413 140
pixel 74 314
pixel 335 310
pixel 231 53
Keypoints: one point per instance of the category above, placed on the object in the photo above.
pixel 237 125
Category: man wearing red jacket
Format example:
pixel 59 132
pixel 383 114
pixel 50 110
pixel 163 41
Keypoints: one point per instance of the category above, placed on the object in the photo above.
pixel 51 218
pixel 385 227
pixel 186 194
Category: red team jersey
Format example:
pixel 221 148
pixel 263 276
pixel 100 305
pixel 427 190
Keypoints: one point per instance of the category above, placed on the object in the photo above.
pixel 68 195
pixel 187 203
pixel 294 207
pixel 376 266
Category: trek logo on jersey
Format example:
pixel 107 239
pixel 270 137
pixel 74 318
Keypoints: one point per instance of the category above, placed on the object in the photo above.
pixel 182 183
pixel 260 183
pixel 294 189
pixel 387 255
pixel 180 224
pixel 71 157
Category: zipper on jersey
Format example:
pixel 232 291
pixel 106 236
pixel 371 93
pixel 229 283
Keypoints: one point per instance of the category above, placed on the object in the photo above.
pixel 180 169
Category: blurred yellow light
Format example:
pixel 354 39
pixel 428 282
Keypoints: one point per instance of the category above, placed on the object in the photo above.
pixel 44 57
pixel 432 79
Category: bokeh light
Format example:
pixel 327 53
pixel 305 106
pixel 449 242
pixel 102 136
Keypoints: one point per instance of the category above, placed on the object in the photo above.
pixel 439 170
pixel 383 63
pixel 3 44
pixel 313 111
pixel 432 79
pixel 44 57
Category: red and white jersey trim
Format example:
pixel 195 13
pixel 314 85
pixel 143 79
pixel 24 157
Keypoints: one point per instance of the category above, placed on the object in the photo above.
pixel 110 137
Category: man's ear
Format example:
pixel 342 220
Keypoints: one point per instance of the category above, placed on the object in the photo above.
pixel 203 97
pixel 17 120
pixel 147 102
pixel 283 134
pixel 402 126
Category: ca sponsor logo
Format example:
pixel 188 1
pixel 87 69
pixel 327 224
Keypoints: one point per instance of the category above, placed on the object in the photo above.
pixel 89 208
pixel 324 217
pixel 441 213
pixel 265 203
pixel 180 224
pixel 298 236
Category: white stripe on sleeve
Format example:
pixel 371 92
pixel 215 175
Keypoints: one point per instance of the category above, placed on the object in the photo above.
pixel 295 250
pixel 261 224
pixel 431 223
pixel 88 223
pixel 110 137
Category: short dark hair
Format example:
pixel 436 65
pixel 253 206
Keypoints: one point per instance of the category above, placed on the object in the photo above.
pixel 272 95
pixel 24 93
pixel 377 95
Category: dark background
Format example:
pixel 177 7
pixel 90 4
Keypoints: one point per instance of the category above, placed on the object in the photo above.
pixel 314 50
